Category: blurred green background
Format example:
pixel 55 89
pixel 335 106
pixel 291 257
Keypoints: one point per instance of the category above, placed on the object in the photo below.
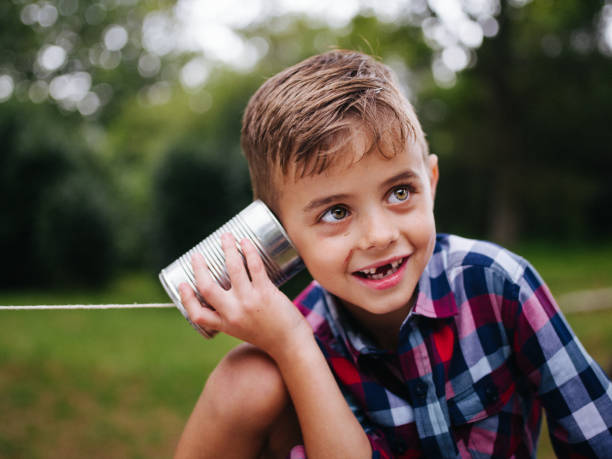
pixel 120 124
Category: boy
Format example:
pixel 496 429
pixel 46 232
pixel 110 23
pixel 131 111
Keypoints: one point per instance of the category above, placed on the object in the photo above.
pixel 407 343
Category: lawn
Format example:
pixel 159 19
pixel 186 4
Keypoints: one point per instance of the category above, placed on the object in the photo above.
pixel 108 383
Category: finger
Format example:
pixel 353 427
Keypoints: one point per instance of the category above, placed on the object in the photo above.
pixel 198 314
pixel 259 276
pixel 208 288
pixel 234 263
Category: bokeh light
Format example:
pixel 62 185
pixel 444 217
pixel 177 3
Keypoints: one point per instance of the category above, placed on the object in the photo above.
pixel 7 85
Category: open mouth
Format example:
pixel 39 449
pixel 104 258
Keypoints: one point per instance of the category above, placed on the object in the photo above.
pixel 381 271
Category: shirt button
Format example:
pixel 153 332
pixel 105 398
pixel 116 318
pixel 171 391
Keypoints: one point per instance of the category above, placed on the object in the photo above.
pixel 421 390
pixel 398 446
pixel 491 393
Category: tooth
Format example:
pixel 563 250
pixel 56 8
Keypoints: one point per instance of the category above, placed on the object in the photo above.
pixel 379 273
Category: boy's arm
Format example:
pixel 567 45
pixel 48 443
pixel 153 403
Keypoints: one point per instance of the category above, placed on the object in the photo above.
pixel 329 427
pixel 254 310
pixel 575 392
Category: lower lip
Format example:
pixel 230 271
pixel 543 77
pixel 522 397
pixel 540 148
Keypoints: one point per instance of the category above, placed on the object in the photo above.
pixel 386 282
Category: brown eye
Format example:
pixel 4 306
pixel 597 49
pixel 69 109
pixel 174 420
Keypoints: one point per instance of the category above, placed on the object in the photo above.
pixel 335 214
pixel 399 194
pixel 339 213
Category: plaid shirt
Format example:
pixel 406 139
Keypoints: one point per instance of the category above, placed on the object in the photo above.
pixel 483 350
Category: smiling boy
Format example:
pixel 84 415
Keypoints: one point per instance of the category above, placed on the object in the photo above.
pixel 407 343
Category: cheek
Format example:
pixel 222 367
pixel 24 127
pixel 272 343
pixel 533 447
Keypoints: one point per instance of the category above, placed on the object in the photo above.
pixel 322 254
pixel 421 231
pixel 426 223
pixel 427 235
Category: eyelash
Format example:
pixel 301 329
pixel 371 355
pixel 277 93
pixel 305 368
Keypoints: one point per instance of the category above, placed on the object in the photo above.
pixel 408 188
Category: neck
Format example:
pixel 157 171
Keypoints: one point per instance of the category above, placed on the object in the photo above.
pixel 383 328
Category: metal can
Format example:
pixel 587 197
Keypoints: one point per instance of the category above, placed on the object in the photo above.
pixel 258 224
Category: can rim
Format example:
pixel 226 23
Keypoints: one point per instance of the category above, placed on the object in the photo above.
pixel 281 228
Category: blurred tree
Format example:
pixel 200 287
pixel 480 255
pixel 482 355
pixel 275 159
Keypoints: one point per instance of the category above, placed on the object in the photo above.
pixel 74 233
pixel 523 138
pixel 146 142
pixel 67 68
pixel 24 177
pixel 40 156
pixel 192 198
pixel 513 95
pixel 83 56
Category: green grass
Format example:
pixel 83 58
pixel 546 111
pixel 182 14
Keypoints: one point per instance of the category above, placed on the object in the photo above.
pixel 99 383
pixel 102 384
pixel 571 267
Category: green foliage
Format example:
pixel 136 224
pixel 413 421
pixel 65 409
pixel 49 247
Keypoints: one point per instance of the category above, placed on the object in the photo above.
pixel 74 233
pixel 192 197
pixel 522 136
pixel 38 208
pixel 524 147
pixel 79 28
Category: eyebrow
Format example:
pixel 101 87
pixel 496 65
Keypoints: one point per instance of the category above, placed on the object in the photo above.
pixel 316 203
pixel 326 200
pixel 404 175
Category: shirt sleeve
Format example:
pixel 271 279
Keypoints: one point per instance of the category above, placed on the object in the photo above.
pixel 575 392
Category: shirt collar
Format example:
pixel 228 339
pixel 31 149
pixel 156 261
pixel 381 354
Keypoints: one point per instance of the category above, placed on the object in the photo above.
pixel 344 328
pixel 435 298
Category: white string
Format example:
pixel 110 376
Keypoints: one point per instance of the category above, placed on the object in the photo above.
pixel 87 306
pixel 583 300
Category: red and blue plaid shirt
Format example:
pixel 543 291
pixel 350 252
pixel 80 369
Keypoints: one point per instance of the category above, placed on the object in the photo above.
pixel 484 349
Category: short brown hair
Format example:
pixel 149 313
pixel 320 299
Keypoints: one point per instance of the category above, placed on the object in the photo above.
pixel 298 118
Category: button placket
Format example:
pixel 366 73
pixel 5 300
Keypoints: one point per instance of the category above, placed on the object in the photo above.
pixel 431 414
pixel 491 393
pixel 398 446
pixel 420 390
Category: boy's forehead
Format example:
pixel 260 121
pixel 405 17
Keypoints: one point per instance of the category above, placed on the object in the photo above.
pixel 343 164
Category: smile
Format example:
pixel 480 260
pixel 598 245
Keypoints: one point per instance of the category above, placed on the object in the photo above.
pixel 382 271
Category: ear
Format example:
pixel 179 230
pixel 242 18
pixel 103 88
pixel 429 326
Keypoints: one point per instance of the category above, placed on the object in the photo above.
pixel 434 173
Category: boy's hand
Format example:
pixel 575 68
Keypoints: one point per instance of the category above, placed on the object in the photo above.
pixel 253 310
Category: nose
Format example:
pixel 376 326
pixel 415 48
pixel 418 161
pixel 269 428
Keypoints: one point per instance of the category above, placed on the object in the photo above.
pixel 378 230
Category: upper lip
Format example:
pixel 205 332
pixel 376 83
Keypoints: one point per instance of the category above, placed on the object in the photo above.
pixel 378 264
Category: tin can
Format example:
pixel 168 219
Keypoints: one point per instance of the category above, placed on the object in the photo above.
pixel 258 224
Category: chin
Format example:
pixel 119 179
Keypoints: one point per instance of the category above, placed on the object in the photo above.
pixel 401 300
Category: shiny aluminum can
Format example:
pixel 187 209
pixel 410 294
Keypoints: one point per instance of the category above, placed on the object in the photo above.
pixel 256 223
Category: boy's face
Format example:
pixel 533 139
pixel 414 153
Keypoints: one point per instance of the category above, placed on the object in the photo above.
pixel 365 229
